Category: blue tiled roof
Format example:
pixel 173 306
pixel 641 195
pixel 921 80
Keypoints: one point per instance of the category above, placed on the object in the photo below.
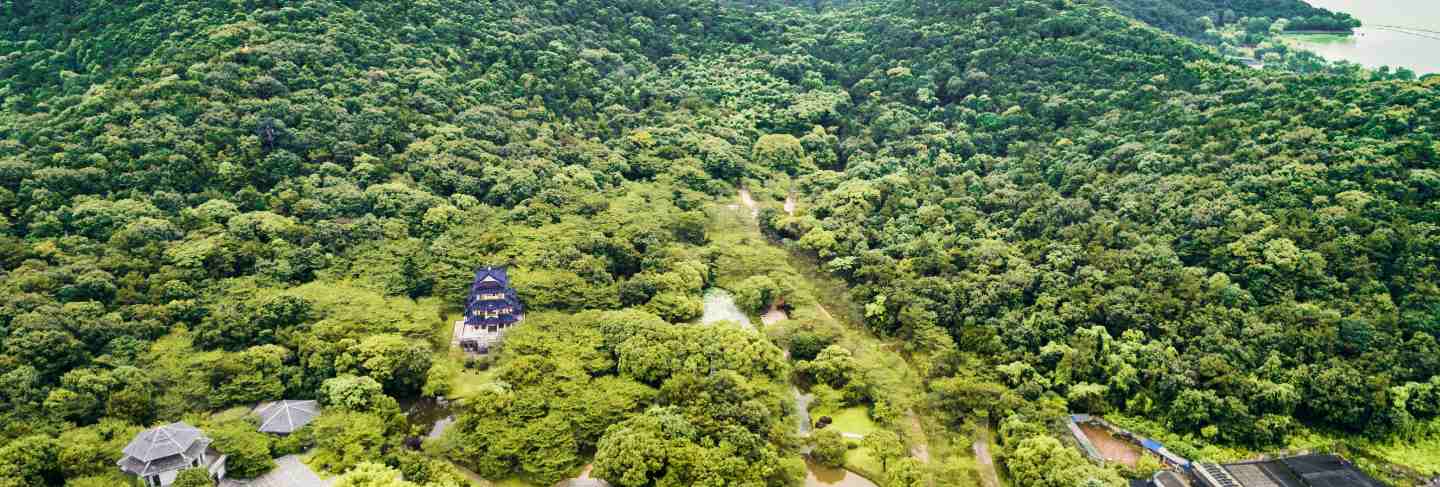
pixel 491 300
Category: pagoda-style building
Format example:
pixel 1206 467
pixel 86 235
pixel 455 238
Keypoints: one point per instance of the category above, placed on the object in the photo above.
pixel 157 455
pixel 491 308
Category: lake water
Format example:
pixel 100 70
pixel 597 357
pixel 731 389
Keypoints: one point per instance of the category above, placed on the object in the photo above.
pixel 433 414
pixel 1397 33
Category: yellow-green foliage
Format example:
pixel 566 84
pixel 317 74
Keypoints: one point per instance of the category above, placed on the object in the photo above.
pixel 862 462
pixel 1422 455
pixel 740 256
pixel 174 361
pixel 854 419
pixel 351 311
pixel 1188 446
pixel 210 203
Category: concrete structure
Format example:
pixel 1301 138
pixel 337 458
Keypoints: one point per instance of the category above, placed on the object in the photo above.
pixel 289 471
pixel 1073 423
pixel 1169 478
pixel 1169 458
pixel 157 455
pixel 1298 471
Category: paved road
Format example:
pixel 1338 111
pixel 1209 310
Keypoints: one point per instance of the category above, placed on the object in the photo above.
pixel 289 471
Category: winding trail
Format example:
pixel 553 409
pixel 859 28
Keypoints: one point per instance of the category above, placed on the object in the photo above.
pixel 832 477
pixel 774 315
pixel 802 410
pixel 824 311
pixel 921 449
pixel 749 202
pixel 983 460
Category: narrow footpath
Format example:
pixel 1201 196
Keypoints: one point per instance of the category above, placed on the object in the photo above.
pixel 914 428
pixel 983 460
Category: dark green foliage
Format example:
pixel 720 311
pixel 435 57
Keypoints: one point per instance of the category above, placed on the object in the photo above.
pixel 206 204
pixel 193 477
pixel 830 448
pixel 664 444
pixel 806 345
pixel 575 382
pixel 247 451
pixel 31 460
pixel 1033 247
pixel 1184 16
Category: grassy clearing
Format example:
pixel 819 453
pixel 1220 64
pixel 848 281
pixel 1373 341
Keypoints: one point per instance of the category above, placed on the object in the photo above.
pixel 854 419
pixel 450 361
pixel 469 382
pixel 1422 455
pixel 827 301
pixel 860 461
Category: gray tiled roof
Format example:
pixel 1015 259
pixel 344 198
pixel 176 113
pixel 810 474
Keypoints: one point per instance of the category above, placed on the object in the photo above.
pixel 286 416
pixel 159 449
pixel 163 441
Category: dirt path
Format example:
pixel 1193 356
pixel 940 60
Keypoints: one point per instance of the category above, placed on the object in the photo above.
pixel 824 311
pixel 983 461
pixel 921 449
pixel 749 202
pixel 802 410
pixel 915 432
pixel 774 315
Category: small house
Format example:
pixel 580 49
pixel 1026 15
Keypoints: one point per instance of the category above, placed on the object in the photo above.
pixel 157 455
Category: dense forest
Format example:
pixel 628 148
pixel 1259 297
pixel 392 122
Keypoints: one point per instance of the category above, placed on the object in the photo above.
pixel 1050 206
pixel 1192 18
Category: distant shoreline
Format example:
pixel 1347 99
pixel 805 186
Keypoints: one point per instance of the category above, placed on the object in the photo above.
pixel 1349 32
pixel 1429 34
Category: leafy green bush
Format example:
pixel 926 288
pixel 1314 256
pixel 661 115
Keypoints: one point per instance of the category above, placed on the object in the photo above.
pixel 830 448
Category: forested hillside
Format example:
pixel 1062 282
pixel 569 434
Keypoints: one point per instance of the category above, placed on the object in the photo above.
pixel 1241 250
pixel 1193 17
pixel 207 204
